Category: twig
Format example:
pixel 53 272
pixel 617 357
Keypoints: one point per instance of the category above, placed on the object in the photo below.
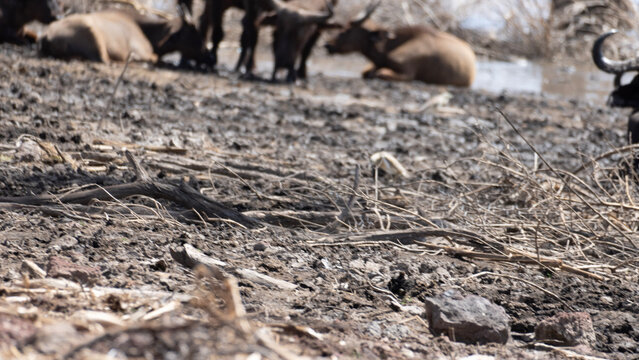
pixel 547 292
pixel 601 216
pixel 346 211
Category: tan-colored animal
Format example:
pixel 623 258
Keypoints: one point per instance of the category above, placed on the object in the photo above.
pixel 407 53
pixel 103 36
pixel 112 34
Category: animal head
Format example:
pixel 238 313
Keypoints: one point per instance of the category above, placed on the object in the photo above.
pixel 626 95
pixel 355 36
pixel 293 27
pixel 623 95
pixel 185 38
pixel 44 11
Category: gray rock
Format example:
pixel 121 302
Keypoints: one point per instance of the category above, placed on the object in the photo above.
pixel 374 329
pixel 65 242
pixel 569 329
pixel 469 319
pixel 55 338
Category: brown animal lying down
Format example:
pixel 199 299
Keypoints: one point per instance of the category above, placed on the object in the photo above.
pixel 104 36
pixel 110 35
pixel 409 53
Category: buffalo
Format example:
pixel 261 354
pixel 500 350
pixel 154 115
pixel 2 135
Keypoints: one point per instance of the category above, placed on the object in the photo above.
pixel 111 35
pixel 407 53
pixel 209 20
pixel 298 25
pixel 623 95
pixel 210 23
pixel 14 14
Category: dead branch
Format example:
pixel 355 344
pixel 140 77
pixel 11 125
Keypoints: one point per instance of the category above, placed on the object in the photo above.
pixel 181 194
pixel 191 257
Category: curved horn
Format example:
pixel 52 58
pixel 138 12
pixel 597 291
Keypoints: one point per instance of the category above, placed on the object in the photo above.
pixel 363 16
pixel 608 65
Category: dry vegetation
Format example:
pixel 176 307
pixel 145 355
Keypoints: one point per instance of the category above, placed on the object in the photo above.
pixel 534 208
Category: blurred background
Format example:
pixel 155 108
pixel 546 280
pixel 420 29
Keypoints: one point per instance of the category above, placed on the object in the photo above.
pixel 536 46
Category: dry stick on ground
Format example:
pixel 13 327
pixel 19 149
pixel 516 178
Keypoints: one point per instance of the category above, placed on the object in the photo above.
pixel 548 292
pixel 413 236
pixel 182 194
pixel 191 258
pixel 115 89
pixel 599 214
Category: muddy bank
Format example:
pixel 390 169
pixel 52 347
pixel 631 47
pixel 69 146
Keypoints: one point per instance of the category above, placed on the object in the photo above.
pixel 287 155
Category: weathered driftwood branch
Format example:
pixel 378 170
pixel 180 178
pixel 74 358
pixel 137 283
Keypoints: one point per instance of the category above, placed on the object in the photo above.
pixel 181 194
pixel 191 257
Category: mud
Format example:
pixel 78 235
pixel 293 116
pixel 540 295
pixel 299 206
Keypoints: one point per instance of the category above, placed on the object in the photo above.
pixel 285 135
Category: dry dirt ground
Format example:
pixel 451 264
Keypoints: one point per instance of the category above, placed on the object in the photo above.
pixel 344 257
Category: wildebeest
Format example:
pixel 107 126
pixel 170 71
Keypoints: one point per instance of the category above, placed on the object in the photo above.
pixel 623 95
pixel 14 14
pixel 111 35
pixel 298 25
pixel 407 53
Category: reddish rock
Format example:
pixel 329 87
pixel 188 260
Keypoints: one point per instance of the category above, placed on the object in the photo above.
pixel 59 267
pixel 569 329
pixel 15 331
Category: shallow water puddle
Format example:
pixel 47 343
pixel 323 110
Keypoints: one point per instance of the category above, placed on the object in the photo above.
pixel 583 82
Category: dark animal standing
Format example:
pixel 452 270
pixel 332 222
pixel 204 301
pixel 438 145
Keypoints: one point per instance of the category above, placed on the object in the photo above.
pixel 210 20
pixel 112 34
pixel 623 95
pixel 210 23
pixel 14 14
pixel 298 25
pixel 408 53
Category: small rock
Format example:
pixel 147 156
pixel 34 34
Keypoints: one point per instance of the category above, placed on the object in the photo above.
pixel 374 329
pixel 259 247
pixel 470 319
pixel 55 338
pixel 569 329
pixel 66 242
pixel 60 267
pixel 400 285
pixel 159 265
pixel 34 98
pixel 15 331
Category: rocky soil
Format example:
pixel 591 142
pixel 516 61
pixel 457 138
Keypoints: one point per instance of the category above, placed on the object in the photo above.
pixel 344 253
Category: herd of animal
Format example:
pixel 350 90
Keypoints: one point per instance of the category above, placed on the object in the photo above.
pixel 407 53
pixel 402 54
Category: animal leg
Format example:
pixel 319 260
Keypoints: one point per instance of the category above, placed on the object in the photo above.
pixel 291 77
pixel 218 36
pixel 388 74
pixel 306 52
pixel 369 72
pixel 633 127
pixel 248 42
pixel 93 47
